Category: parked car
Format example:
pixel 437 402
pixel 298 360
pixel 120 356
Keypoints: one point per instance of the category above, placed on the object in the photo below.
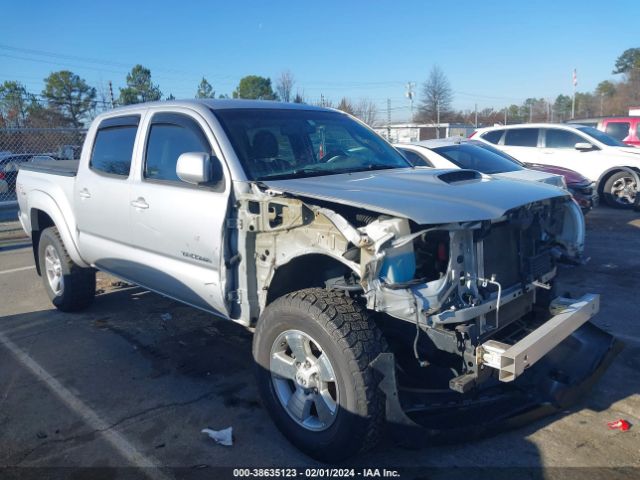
pixel 9 165
pixel 360 273
pixel 625 129
pixel 582 189
pixel 476 155
pixel 614 166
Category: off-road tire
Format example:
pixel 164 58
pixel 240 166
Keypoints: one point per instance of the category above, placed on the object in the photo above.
pixel 351 339
pixel 606 191
pixel 79 283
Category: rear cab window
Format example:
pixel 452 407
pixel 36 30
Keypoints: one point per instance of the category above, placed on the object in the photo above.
pixel 113 146
pixel 521 137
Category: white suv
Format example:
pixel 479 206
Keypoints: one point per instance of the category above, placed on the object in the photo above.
pixel 614 166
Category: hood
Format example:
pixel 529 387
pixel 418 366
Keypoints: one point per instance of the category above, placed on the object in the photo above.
pixel 532 176
pixel 420 195
pixel 570 176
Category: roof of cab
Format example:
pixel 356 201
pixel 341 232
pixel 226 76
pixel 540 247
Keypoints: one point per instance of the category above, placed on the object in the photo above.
pixel 225 104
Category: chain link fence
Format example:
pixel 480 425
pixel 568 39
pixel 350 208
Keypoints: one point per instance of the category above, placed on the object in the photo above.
pixel 20 145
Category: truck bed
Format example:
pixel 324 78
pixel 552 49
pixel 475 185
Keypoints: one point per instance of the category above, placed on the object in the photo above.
pixel 66 168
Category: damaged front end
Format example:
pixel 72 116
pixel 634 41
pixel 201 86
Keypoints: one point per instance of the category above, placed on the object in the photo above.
pixel 468 307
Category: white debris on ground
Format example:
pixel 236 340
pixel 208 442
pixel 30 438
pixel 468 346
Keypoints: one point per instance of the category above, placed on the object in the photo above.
pixel 222 437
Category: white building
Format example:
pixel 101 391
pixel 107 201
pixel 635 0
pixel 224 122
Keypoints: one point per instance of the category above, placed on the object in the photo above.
pixel 414 132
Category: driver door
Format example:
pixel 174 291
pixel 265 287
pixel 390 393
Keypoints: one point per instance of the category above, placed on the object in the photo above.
pixel 178 227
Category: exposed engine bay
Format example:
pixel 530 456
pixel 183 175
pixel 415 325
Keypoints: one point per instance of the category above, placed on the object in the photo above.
pixel 459 285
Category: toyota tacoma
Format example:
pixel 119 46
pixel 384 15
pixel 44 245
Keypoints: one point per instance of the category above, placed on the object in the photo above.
pixel 376 291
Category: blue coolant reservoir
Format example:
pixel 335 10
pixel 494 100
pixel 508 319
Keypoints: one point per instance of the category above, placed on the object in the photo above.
pixel 399 264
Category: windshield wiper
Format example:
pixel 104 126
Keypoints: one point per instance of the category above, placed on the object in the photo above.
pixel 316 172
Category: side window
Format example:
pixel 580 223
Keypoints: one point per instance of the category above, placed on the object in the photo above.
pixel 113 146
pixel 493 136
pixel 415 159
pixel 521 137
pixel 618 130
pixel 556 138
pixel 638 130
pixel 171 135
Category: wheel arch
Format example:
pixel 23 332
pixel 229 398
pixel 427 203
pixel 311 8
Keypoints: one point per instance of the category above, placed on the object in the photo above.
pixel 633 171
pixel 305 271
pixel 44 213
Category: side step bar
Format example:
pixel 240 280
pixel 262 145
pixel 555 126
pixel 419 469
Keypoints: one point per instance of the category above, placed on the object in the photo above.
pixel 512 360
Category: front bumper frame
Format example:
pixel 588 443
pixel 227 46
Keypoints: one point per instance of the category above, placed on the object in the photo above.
pixel 560 379
pixel 512 360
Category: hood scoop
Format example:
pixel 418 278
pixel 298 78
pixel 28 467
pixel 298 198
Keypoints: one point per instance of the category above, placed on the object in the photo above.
pixel 457 176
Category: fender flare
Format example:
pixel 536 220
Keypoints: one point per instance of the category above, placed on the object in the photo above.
pixel 39 200
pixel 633 171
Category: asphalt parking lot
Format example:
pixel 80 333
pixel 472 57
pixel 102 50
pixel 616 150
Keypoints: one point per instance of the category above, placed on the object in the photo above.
pixel 133 380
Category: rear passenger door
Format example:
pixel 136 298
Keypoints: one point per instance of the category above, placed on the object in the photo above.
pixel 178 227
pixel 522 144
pixel 101 193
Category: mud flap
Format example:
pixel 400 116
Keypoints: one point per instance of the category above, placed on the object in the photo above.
pixel 556 382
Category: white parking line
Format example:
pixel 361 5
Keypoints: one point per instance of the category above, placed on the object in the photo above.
pixel 12 270
pixel 118 441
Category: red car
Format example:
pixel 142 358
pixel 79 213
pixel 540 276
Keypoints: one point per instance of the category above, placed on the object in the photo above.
pixel 625 129
pixel 581 188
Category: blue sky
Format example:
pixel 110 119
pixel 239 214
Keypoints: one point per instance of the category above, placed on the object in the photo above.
pixel 493 52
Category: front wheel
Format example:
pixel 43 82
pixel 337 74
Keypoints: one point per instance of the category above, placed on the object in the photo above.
pixel 70 287
pixel 620 190
pixel 312 350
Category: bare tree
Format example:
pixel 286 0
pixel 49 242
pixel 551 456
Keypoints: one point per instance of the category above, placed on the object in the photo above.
pixel 284 85
pixel 366 111
pixel 436 96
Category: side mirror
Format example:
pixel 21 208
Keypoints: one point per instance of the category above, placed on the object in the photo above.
pixel 194 167
pixel 583 146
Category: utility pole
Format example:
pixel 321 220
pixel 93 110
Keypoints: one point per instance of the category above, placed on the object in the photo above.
pixel 505 115
pixel 410 95
pixel 476 112
pixel 389 119
pixel 111 93
pixel 321 100
pixel 601 104
pixel 438 118
pixel 573 100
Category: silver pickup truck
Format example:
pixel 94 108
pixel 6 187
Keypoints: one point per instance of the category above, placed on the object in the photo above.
pixel 376 290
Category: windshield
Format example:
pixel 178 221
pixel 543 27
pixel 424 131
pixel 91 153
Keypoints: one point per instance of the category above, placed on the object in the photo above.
pixel 478 156
pixel 287 143
pixel 602 137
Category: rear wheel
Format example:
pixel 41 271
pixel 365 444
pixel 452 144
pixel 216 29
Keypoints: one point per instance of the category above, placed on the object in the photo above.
pixel 69 286
pixel 620 190
pixel 312 350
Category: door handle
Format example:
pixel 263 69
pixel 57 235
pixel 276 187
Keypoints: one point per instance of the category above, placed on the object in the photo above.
pixel 84 193
pixel 140 203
